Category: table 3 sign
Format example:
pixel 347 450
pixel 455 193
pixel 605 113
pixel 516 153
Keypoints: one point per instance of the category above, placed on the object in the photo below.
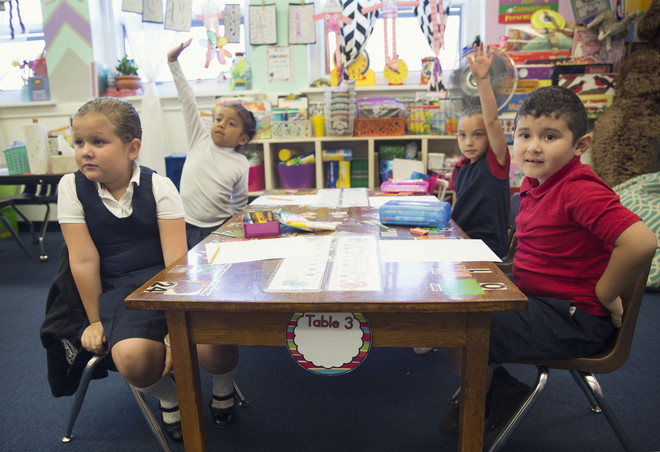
pixel 328 343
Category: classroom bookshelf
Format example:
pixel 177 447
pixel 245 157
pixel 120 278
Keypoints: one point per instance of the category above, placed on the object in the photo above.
pixel 362 148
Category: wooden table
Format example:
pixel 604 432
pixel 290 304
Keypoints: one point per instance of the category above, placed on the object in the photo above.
pixel 408 312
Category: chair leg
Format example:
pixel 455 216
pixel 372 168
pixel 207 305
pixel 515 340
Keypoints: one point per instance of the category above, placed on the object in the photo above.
pixel 453 400
pixel 597 393
pixel 80 394
pixel 587 392
pixel 43 257
pixel 15 235
pixel 541 380
pixel 29 223
pixel 150 418
pixel 242 401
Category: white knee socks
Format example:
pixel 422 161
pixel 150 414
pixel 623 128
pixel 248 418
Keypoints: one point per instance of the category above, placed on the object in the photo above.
pixel 223 385
pixel 165 391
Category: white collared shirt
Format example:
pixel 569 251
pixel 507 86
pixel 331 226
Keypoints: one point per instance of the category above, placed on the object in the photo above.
pixel 168 202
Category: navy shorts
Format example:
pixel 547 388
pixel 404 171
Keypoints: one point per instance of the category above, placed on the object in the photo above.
pixel 195 234
pixel 550 328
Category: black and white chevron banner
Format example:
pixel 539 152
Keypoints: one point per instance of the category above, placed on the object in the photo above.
pixel 354 36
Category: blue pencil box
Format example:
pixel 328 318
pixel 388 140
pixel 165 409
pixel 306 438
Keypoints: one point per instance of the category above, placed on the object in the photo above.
pixel 415 213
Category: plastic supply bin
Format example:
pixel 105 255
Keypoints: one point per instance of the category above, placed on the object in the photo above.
pixel 256 178
pixel 297 176
pixel 173 168
pixel 433 214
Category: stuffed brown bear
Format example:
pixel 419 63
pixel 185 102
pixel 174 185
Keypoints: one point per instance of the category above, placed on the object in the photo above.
pixel 625 135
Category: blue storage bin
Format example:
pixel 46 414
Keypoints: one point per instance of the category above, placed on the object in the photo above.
pixel 173 168
pixel 416 213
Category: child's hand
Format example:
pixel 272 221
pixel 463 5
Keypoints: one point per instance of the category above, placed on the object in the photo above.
pixel 173 54
pixel 93 339
pixel 479 62
pixel 616 311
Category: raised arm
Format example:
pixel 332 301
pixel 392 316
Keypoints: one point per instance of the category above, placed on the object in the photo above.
pixel 480 64
pixel 195 129
pixel 85 268
pixel 633 251
pixel 173 54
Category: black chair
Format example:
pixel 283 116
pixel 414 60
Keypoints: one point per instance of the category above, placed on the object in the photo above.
pixel 154 423
pixel 40 194
pixel 8 201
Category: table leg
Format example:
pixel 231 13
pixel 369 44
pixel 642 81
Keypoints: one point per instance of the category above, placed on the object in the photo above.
pixel 188 386
pixel 473 382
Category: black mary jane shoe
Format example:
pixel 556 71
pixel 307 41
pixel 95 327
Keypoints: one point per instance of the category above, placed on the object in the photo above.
pixel 173 430
pixel 223 416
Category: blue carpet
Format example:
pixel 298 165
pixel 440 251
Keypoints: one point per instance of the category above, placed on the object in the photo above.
pixel 392 402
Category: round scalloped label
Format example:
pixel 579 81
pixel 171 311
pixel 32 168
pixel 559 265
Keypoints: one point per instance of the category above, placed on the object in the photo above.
pixel 328 343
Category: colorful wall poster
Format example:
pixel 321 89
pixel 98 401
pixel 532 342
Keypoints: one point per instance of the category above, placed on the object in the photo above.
pixel 520 11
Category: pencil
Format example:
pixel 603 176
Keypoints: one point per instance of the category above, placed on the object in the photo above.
pixel 214 254
pixel 279 199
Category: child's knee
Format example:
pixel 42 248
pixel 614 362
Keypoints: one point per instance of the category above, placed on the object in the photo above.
pixel 138 359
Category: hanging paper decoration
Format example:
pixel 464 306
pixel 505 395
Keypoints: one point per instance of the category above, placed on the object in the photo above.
pixel 152 11
pixel 178 15
pixel 11 16
pixel 393 73
pixel 214 43
pixel 301 24
pixel 131 6
pixel 335 20
pixel 263 24
pixel 354 36
pixel 232 21
pixel 430 15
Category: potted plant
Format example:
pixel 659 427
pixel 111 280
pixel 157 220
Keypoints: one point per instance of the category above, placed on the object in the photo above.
pixel 127 78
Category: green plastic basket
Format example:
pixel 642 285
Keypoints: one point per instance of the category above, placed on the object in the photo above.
pixel 17 160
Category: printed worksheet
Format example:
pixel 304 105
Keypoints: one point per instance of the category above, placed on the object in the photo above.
pixel 356 265
pixel 302 274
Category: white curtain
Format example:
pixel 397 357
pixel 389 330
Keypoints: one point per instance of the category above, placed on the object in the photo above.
pixel 149 43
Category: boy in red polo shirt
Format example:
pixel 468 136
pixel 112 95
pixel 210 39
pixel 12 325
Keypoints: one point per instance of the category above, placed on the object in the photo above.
pixel 578 250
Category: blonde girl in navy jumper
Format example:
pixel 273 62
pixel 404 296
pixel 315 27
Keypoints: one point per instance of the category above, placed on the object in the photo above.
pixel 122 224
pixel 481 177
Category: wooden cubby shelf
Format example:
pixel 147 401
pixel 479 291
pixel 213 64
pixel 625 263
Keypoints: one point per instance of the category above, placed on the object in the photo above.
pixel 362 148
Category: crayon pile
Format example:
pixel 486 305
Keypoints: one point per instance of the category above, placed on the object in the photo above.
pixel 258 217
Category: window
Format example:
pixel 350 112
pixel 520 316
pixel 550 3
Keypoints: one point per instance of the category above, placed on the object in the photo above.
pixel 194 57
pixel 411 44
pixel 25 46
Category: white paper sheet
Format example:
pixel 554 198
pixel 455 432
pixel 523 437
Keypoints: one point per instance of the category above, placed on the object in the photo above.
pixel 402 169
pixel 355 197
pixel 258 250
pixel 436 251
pixel 377 201
pixel 326 197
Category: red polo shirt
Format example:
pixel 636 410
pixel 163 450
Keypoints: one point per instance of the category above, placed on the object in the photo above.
pixel 566 230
